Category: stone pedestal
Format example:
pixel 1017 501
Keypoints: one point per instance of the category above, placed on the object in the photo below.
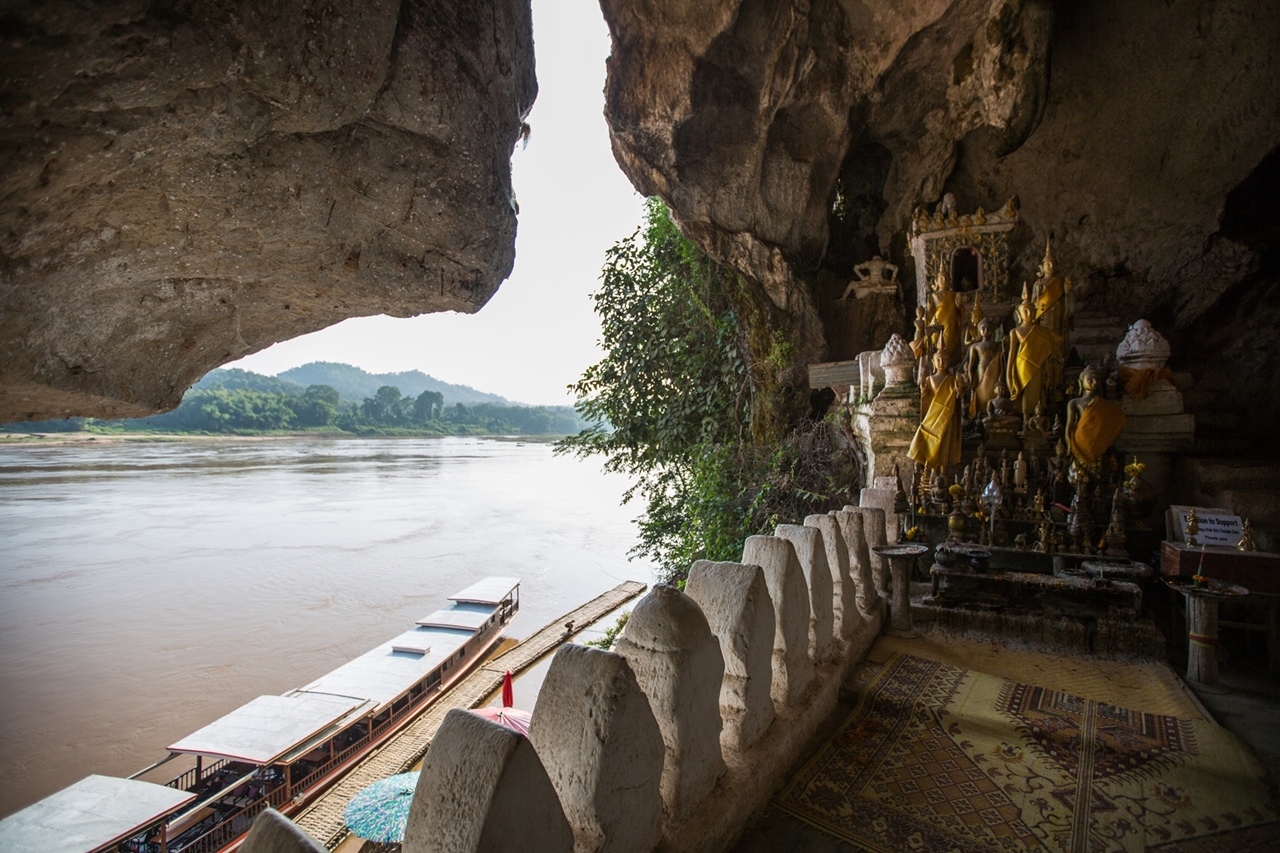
pixel 1156 430
pixel 884 429
pixel 901 558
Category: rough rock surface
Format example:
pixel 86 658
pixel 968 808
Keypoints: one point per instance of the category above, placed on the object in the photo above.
pixel 186 183
pixel 793 138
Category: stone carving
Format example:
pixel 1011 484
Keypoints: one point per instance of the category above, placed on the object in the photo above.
pixel 875 276
pixel 1143 348
pixel 792 668
pixel 844 598
pixel 852 526
pixel 596 734
pixel 898 361
pixel 812 553
pixel 735 599
pixel 483 788
pixel 677 663
pixel 869 371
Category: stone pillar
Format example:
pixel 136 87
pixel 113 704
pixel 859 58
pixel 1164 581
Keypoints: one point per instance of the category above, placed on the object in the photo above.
pixel 885 426
pixel 853 526
pixel 735 600
pixel 483 788
pixel 844 610
pixel 902 558
pixel 792 668
pixel 811 551
pixel 677 662
pixel 883 499
pixel 272 832
pixel 873 524
pixel 596 735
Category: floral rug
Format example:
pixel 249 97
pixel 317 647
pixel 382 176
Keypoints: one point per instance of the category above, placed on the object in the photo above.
pixel 938 758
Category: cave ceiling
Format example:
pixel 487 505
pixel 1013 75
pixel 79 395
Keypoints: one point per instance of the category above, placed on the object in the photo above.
pixel 185 183
pixel 793 140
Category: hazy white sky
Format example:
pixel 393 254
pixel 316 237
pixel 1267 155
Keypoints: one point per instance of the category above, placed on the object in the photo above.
pixel 538 332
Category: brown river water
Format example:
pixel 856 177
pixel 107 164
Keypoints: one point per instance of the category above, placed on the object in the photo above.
pixel 149 588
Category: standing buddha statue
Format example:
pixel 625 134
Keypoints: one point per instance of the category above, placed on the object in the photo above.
pixel 946 314
pixel 984 368
pixel 1050 295
pixel 1034 357
pixel 936 444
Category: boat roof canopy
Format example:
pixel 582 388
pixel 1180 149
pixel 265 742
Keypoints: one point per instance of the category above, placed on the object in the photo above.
pixel 464 615
pixel 487 591
pixel 89 815
pixel 268 727
pixel 385 673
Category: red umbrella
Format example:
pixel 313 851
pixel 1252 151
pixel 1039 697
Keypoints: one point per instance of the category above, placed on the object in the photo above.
pixel 508 693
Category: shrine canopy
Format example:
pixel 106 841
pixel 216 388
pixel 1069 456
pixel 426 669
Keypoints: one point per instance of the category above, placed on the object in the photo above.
pixel 90 815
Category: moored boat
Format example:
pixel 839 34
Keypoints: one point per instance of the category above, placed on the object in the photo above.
pixel 274 751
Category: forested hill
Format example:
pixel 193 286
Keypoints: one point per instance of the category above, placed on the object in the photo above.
pixel 354 385
pixel 241 402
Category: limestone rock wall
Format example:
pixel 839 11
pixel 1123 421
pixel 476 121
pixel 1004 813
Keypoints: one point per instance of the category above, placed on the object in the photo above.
pixel 185 183
pixel 793 138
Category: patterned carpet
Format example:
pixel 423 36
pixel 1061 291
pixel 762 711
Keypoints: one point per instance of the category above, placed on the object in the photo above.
pixel 938 758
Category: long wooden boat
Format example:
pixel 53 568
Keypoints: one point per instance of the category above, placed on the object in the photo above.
pixel 275 751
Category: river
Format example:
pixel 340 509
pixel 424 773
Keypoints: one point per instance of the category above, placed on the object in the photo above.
pixel 149 588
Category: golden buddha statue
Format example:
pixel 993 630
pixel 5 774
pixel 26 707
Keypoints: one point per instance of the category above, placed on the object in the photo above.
pixel 936 444
pixel 1093 422
pixel 1034 358
pixel 946 314
pixel 1050 298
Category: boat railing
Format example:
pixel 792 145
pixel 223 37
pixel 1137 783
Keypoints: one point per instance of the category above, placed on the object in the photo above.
pixel 196 775
pixel 235 824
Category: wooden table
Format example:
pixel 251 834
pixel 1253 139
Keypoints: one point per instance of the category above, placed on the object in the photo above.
pixel 1202 627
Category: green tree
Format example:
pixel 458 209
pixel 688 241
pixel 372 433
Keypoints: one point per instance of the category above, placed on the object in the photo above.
pixel 673 405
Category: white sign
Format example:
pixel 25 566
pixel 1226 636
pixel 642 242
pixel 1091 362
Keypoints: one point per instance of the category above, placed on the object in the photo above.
pixel 1216 528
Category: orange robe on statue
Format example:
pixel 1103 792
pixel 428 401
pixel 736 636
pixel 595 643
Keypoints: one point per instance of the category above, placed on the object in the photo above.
pixel 1030 351
pixel 937 440
pixel 1098 427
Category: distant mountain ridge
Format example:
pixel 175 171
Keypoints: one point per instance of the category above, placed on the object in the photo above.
pixel 354 385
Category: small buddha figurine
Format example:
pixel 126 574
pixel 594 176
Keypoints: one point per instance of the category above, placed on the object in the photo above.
pixel 1093 422
pixel 1192 527
pixel 1038 423
pixel 1020 473
pixel 1001 407
pixel 1037 505
pixel 1246 537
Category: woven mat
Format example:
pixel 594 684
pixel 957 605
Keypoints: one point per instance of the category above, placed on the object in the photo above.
pixel 939 758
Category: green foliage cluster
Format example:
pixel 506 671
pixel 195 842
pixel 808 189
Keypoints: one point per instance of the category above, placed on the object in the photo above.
pixel 672 406
pixel 611 633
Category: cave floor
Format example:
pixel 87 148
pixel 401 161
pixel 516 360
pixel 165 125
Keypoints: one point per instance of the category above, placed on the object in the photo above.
pixel 1249 711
